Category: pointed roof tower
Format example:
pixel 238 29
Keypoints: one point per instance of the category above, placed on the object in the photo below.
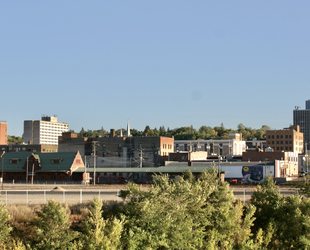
pixel 128 130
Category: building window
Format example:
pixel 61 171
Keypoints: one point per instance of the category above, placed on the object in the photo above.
pixel 277 148
pixel 14 161
pixel 277 142
pixel 286 136
pixel 281 136
pixel 272 142
pixel 277 136
pixel 56 161
pixel 272 136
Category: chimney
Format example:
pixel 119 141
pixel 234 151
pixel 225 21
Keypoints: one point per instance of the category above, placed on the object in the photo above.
pixel 112 132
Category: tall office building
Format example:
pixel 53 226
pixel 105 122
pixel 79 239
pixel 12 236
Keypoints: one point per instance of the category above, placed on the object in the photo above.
pixel 301 117
pixel 44 131
pixel 3 133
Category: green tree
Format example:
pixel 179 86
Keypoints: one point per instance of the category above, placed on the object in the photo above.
pixel 52 227
pixel 162 131
pixel 99 233
pixel 206 132
pixel 5 227
pixel 82 133
pixel 147 130
pixel 288 217
pixel 156 132
pixel 186 214
pixel 14 139
pixel 268 202
pixel 102 132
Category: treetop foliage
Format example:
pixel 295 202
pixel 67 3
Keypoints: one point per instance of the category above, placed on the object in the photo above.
pixel 190 212
pixel 187 133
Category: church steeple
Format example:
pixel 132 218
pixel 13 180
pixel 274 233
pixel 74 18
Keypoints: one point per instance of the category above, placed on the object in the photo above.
pixel 128 130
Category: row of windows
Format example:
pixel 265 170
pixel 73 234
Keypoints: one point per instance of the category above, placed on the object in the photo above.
pixel 286 137
pixel 279 142
pixel 49 137
pixel 282 148
pixel 280 136
pixel 59 131
pixel 167 146
pixel 49 124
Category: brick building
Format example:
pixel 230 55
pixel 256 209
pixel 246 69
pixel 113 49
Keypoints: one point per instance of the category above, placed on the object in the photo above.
pixel 120 151
pixel 287 140
pixel 3 133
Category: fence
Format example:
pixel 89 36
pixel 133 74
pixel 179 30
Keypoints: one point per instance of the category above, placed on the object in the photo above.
pixel 73 196
pixel 245 194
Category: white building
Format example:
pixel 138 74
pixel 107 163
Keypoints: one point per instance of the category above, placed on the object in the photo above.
pixel 232 146
pixel 44 131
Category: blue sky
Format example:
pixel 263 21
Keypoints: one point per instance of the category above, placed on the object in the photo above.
pixel 173 63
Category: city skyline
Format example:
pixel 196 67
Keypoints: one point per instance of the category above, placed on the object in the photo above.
pixel 171 64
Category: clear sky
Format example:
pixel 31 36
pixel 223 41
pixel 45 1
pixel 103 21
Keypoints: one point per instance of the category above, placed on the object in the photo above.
pixel 173 63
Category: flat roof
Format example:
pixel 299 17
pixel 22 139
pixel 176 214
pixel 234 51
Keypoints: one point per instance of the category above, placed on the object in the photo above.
pixel 170 169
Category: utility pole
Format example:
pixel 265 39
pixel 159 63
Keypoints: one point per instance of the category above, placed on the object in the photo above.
pixel 94 145
pixel 85 171
pixel 219 168
pixel 307 159
pixel 2 172
pixel 94 163
pixel 141 157
pixel 27 172
pixel 265 167
pixel 32 174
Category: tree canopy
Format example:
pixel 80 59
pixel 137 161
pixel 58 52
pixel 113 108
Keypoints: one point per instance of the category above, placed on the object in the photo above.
pixel 188 212
pixel 188 133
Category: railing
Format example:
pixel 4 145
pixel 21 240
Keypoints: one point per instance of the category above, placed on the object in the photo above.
pixel 73 196
pixel 245 194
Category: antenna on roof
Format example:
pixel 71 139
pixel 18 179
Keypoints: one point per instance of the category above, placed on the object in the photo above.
pixel 297 107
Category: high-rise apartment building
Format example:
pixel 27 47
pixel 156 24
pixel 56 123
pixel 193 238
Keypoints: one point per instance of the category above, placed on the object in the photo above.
pixel 44 131
pixel 301 117
pixel 3 133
